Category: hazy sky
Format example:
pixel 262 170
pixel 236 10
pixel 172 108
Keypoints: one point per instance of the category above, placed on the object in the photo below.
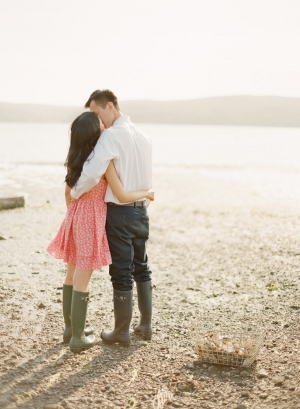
pixel 59 51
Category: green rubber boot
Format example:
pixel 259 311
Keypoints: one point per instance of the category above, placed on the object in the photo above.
pixel 123 314
pixel 67 302
pixel 79 341
pixel 144 292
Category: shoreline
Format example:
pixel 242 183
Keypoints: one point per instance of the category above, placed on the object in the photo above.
pixel 276 186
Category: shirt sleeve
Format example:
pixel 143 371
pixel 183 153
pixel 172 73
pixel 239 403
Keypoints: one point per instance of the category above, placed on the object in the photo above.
pixel 95 166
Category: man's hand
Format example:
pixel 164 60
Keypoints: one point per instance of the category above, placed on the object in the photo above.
pixel 150 194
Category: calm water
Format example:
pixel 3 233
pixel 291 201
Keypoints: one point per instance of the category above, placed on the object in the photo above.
pixel 180 144
pixel 265 158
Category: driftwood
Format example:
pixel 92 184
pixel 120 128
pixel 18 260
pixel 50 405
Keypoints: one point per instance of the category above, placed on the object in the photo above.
pixel 11 202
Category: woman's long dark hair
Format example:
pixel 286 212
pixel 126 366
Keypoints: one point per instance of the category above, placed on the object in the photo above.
pixel 85 132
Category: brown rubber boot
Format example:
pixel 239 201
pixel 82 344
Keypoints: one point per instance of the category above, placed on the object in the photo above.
pixel 144 291
pixel 79 341
pixel 123 314
pixel 67 302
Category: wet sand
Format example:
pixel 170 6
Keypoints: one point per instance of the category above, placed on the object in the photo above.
pixel 216 246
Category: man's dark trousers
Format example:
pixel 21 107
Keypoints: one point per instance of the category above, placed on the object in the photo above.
pixel 127 229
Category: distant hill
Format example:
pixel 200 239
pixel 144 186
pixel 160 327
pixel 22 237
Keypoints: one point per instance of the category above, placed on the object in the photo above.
pixel 37 113
pixel 228 110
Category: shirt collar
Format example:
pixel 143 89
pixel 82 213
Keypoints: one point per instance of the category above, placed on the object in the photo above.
pixel 122 119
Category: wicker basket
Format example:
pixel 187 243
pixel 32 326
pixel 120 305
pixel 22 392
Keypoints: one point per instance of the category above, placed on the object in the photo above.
pixel 235 344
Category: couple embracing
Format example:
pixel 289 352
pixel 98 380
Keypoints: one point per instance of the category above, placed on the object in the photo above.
pixel 108 188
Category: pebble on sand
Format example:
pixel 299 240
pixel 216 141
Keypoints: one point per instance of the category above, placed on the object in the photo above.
pixel 262 373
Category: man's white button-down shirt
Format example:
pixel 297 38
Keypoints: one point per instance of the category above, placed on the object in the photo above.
pixel 131 151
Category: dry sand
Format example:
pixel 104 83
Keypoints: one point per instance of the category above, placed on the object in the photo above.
pixel 215 247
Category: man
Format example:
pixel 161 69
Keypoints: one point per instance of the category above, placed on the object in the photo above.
pixel 127 225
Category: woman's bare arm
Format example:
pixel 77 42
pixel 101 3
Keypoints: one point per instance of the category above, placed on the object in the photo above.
pixel 68 195
pixel 119 191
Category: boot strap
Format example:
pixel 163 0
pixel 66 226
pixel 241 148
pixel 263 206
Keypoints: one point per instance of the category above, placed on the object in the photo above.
pixel 86 299
pixel 120 298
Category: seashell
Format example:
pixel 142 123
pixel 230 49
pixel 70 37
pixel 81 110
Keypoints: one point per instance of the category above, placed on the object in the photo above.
pixel 249 343
pixel 247 362
pixel 228 348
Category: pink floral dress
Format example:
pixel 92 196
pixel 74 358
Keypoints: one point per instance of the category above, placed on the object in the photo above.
pixel 81 239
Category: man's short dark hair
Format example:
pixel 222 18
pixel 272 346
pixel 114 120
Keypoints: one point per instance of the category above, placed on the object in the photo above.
pixel 102 98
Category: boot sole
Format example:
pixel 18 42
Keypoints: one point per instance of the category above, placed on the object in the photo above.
pixel 67 340
pixel 123 344
pixel 145 337
pixel 77 351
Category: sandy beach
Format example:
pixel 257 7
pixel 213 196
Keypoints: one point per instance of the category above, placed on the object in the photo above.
pixel 216 246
